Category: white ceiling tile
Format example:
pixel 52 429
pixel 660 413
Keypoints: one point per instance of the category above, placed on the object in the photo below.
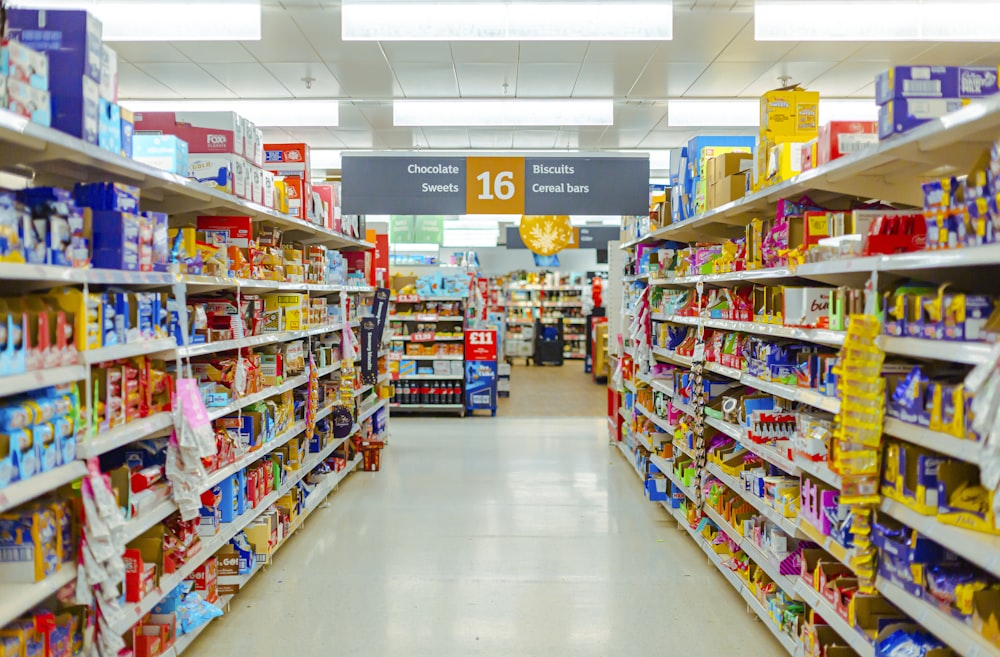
pixel 546 80
pixel 417 52
pixel 586 138
pixel 867 91
pixel 888 51
pixel 958 54
pixel 726 78
pixel 484 52
pixel 491 138
pixel 401 138
pixel 847 78
pixel 367 79
pixel 816 51
pixel 485 80
pixel 639 116
pixel 605 79
pixel 316 137
pixel 664 137
pixel 356 138
pixel 427 80
pixel 745 48
pixel 133 83
pixel 802 73
pixel 445 137
pixel 701 36
pixel 667 79
pixel 616 51
pixel 623 138
pixel 378 115
pixel 323 85
pixel 552 51
pixel 215 52
pixel 535 138
pixel 276 136
pixel 157 52
pixel 282 40
pixel 248 80
pixel 189 80
pixel 352 118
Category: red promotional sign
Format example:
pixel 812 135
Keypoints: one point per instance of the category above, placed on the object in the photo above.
pixel 422 336
pixel 481 345
pixel 484 291
pixel 407 298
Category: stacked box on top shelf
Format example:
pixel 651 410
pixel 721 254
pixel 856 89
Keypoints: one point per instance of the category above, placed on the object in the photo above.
pixel 24 82
pixel 789 118
pixel 910 96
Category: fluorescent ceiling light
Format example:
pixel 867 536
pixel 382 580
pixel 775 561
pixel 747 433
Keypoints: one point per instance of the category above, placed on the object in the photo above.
pixel 167 20
pixel 515 20
pixel 503 112
pixel 745 113
pixel 264 113
pixel 877 20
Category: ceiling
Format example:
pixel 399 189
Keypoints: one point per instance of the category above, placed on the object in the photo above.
pixel 713 55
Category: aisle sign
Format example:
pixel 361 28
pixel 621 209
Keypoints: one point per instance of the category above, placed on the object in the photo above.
pixel 421 184
pixel 480 345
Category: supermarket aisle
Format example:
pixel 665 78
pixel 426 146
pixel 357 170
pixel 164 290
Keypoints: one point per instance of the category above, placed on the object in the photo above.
pixel 510 537
pixel 542 391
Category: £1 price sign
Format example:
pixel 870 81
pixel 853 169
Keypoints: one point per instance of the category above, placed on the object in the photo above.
pixel 481 345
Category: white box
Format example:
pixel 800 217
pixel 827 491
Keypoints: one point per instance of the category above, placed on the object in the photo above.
pixel 227 173
pixel 268 179
pixel 805 307
pixel 258 156
pixel 109 74
pixel 256 184
pixel 249 138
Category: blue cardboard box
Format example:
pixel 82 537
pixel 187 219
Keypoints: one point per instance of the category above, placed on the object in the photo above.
pixel 904 114
pixel 935 82
pixel 72 39
pixel 116 241
pixel 109 126
pixel 165 152
pixel 76 109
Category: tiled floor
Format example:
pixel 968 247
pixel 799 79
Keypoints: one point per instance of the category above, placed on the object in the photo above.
pixel 498 537
pixel 546 391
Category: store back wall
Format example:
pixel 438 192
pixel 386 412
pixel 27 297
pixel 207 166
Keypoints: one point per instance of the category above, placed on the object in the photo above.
pixel 500 260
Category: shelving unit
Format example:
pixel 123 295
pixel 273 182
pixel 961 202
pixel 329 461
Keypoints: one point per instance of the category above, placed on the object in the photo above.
pixel 526 304
pixel 57 159
pixel 890 172
pixel 420 378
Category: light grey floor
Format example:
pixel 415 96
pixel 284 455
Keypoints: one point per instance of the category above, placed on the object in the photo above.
pixel 490 536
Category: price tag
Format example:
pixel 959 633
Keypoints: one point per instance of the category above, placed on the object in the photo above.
pixel 408 298
pixel 422 336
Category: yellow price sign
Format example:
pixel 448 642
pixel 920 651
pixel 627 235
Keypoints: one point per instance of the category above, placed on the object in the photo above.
pixel 494 185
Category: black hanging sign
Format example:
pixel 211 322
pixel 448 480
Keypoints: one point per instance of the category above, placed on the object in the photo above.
pixel 369 351
pixel 380 310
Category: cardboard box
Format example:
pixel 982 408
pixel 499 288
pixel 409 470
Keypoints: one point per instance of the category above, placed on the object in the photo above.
pixel 784 161
pixel 24 64
pixel 109 74
pixel 72 39
pixel 902 115
pixel 935 82
pixel 790 112
pixel 75 108
pixel 806 307
pixel 729 164
pixel 215 133
pixel 839 138
pixel 226 172
pixel 730 188
pixel 288 159
pixel 25 100
pixel 167 152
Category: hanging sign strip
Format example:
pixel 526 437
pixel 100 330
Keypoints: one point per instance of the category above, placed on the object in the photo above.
pixel 380 310
pixel 421 184
pixel 369 351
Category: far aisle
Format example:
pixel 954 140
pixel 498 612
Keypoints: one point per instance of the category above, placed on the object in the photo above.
pixel 490 537
pixel 547 391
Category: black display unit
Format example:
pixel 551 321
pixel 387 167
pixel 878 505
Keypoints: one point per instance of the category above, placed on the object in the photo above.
pixel 549 351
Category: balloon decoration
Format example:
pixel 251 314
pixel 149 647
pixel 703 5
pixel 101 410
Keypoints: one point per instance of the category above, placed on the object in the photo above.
pixel 546 234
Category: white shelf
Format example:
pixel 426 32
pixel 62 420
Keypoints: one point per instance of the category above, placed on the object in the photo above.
pixel 405 357
pixel 371 411
pixel 112 439
pixel 965 450
pixel 20 492
pixel 979 548
pixel 672 357
pixel 627 453
pixel 970 353
pixel 254 341
pixel 427 407
pixel 128 350
pixel 215 413
pixel 960 636
pixel 792 393
pixel 15 384
pixel 137 526
pixel 818 336
pixel 406 338
pixel 425 318
pixel 19 598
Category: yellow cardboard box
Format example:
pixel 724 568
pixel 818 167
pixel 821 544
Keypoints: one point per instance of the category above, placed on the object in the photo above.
pixel 790 111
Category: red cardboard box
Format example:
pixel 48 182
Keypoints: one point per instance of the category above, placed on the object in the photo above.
pixel 287 159
pixel 840 138
pixel 204 132
pixel 298 191
pixel 326 194
pixel 206 580
pixel 240 228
